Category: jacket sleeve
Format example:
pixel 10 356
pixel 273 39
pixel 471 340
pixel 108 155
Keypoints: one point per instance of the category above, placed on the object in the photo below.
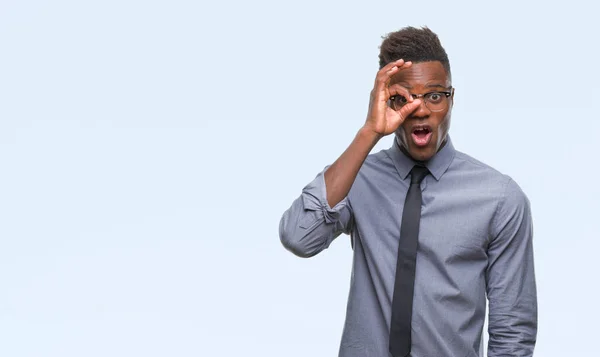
pixel 310 225
pixel 510 277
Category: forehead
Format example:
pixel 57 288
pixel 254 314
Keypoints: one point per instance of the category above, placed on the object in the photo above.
pixel 422 74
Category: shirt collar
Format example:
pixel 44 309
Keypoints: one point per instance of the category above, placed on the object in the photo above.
pixel 437 165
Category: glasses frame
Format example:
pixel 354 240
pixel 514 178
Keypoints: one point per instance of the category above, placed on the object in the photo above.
pixel 448 94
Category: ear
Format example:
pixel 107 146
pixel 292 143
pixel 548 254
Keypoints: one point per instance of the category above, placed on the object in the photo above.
pixel 452 96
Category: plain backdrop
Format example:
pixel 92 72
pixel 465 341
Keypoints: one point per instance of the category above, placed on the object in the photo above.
pixel 149 148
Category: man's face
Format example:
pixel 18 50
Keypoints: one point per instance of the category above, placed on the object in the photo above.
pixel 424 131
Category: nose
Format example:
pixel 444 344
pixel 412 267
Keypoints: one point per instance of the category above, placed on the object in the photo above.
pixel 422 111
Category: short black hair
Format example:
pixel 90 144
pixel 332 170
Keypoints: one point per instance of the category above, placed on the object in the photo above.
pixel 415 45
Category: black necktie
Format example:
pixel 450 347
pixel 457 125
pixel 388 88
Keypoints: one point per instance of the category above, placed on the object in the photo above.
pixel 400 330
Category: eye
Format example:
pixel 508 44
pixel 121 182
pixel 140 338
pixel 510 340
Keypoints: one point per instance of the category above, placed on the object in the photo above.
pixel 398 100
pixel 435 97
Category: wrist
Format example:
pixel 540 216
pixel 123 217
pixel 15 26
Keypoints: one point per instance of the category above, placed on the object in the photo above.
pixel 369 134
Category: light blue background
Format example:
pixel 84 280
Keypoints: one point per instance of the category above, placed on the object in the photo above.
pixel 149 148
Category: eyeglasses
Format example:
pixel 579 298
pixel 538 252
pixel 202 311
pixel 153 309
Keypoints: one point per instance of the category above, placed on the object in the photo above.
pixel 434 101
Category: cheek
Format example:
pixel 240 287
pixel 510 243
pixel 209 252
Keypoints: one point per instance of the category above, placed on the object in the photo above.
pixel 400 132
pixel 443 126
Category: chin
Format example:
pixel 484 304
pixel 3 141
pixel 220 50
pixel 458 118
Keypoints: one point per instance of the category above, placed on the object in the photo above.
pixel 419 153
pixel 422 154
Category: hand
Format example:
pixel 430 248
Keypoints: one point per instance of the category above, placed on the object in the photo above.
pixel 383 120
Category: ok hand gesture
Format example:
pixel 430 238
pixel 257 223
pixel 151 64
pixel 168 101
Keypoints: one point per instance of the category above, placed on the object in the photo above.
pixel 382 119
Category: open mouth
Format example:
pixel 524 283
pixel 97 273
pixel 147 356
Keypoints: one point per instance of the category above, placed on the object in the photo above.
pixel 421 134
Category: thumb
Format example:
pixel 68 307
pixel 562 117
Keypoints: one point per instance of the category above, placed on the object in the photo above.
pixel 408 108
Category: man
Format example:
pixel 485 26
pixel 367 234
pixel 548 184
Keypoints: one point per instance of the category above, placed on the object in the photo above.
pixel 434 231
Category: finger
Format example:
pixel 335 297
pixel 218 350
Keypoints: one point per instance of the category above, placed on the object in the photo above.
pixel 405 64
pixel 401 64
pixel 387 77
pixel 393 67
pixel 407 109
pixel 397 63
pixel 384 77
pixel 382 82
pixel 404 113
pixel 396 89
pixel 385 74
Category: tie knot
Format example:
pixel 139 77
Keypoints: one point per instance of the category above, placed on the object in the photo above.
pixel 417 174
